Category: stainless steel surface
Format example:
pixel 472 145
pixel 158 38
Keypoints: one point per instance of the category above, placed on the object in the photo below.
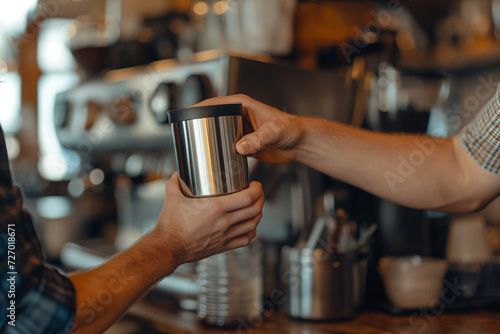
pixel 322 229
pixel 321 286
pixel 337 238
pixel 207 161
pixel 320 93
pixel 145 127
pixel 326 230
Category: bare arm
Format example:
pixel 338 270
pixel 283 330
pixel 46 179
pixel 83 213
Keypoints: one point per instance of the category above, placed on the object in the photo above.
pixel 415 171
pixel 106 292
pixel 411 170
pixel 187 230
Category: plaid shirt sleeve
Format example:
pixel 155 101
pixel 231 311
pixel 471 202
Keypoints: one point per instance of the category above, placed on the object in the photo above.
pixel 481 137
pixel 43 299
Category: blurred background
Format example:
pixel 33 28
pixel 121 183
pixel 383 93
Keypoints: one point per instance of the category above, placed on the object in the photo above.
pixel 85 86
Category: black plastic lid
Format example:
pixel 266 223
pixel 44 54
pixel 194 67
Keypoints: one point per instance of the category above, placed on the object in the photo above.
pixel 219 110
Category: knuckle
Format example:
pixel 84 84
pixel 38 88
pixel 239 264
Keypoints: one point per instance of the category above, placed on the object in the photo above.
pixel 259 217
pixel 221 225
pixel 242 96
pixel 268 134
pixel 247 199
pixel 216 210
pixel 250 236
pixel 276 125
pixel 257 139
pixel 256 221
pixel 261 201
pixel 258 187
pixel 256 210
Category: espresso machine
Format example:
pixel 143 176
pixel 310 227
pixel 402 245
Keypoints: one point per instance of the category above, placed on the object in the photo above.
pixel 119 123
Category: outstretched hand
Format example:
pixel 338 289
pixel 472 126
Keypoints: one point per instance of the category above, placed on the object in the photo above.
pixel 188 229
pixel 273 135
pixel 195 228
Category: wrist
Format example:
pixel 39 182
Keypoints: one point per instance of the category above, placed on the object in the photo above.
pixel 162 252
pixel 304 126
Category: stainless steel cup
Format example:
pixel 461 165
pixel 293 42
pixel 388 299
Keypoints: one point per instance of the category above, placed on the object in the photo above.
pixel 205 147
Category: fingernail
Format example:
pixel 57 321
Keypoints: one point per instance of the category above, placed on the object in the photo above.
pixel 244 147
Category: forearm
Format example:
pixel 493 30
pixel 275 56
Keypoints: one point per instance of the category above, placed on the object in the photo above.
pixel 415 171
pixel 411 170
pixel 103 294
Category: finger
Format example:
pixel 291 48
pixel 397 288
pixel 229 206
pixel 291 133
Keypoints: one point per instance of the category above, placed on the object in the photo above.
pixel 239 98
pixel 243 228
pixel 264 135
pixel 242 241
pixel 247 213
pixel 241 199
pixel 253 142
pixel 247 102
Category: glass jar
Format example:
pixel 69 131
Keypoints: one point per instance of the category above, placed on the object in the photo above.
pixel 230 287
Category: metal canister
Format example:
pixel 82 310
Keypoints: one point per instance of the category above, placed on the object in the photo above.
pixel 323 286
pixel 205 146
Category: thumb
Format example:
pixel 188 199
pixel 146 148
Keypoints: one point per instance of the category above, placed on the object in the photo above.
pixel 172 186
pixel 257 140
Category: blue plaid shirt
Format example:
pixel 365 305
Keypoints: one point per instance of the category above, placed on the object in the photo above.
pixel 34 297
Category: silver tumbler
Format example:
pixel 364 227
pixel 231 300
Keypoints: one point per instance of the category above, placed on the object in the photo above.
pixel 205 146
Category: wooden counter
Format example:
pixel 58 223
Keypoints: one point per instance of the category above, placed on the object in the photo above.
pixel 165 319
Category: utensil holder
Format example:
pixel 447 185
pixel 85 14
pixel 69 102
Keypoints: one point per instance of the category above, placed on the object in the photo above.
pixel 323 286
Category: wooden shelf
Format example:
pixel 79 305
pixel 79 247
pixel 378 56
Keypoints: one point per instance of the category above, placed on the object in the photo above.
pixel 464 58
